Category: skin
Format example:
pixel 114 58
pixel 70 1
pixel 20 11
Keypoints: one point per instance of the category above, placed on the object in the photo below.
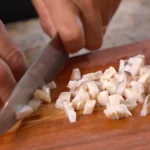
pixel 80 23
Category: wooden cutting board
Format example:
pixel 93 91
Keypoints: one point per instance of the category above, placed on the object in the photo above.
pixel 49 129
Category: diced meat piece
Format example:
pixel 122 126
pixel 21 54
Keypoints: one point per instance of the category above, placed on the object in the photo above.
pixel 73 93
pixel 121 65
pixel 35 104
pixel 103 84
pixel 82 95
pixel 93 76
pixel 51 85
pixel 140 97
pixel 110 113
pixel 108 73
pixel 92 89
pixel 103 98
pixel 117 112
pixel 64 96
pixel 83 80
pixel 146 106
pixel 40 95
pixel 23 112
pixel 89 107
pixel 134 65
pixel 144 79
pixel 115 99
pixel 140 56
pixel 80 105
pixel 83 86
pixel 112 86
pixel 76 74
pixel 71 114
pixel 131 104
pixel 144 69
pixel 137 87
pixel 98 85
pixel 121 87
pixel 120 77
pixel 72 85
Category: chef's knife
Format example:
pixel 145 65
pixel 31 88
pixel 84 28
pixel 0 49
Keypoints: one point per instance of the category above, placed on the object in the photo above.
pixel 43 70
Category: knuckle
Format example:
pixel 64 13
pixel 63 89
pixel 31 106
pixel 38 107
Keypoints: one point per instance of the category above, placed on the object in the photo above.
pixel 69 36
pixel 15 57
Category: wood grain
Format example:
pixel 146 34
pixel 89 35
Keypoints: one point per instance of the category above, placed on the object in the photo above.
pixel 49 129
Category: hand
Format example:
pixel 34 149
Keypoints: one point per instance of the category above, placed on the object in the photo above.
pixel 12 64
pixel 79 22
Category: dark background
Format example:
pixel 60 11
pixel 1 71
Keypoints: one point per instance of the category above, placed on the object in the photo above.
pixel 15 10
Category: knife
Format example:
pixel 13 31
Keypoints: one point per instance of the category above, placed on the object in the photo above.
pixel 42 71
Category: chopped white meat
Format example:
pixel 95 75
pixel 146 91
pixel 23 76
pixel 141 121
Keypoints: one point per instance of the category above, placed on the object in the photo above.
pixel 41 95
pixel 93 76
pixel 131 104
pixel 23 112
pixel 83 80
pixel 82 95
pixel 64 96
pixel 108 73
pixel 46 90
pixel 71 114
pixel 73 93
pixel 129 80
pixel 146 106
pixel 103 98
pixel 83 86
pixel 140 97
pixel 127 68
pixel 120 76
pixel 117 112
pixel 103 84
pixel 89 107
pixel 144 69
pixel 72 85
pixel 76 74
pixel 80 105
pixel 121 87
pixel 51 85
pixel 134 65
pixel 137 87
pixel 92 89
pixel 112 86
pixel 110 113
pixel 35 104
pixel 144 79
pixel 115 99
pixel 140 56
pixel 122 65
pixel 98 85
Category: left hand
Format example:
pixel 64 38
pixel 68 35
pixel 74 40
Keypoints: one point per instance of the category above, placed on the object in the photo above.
pixel 79 22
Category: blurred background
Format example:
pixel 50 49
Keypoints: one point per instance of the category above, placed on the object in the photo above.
pixel 130 24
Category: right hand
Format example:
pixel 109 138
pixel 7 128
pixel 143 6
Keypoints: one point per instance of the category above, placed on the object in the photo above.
pixel 12 64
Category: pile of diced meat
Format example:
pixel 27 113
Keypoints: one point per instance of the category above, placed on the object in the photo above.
pixel 118 91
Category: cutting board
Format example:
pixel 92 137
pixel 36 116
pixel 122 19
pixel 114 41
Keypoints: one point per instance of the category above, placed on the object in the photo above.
pixel 49 129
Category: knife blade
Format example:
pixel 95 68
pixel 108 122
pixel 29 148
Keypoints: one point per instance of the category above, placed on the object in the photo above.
pixel 43 70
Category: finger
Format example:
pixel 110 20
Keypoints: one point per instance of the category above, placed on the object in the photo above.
pixel 11 54
pixel 65 16
pixel 45 18
pixel 92 22
pixel 7 81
